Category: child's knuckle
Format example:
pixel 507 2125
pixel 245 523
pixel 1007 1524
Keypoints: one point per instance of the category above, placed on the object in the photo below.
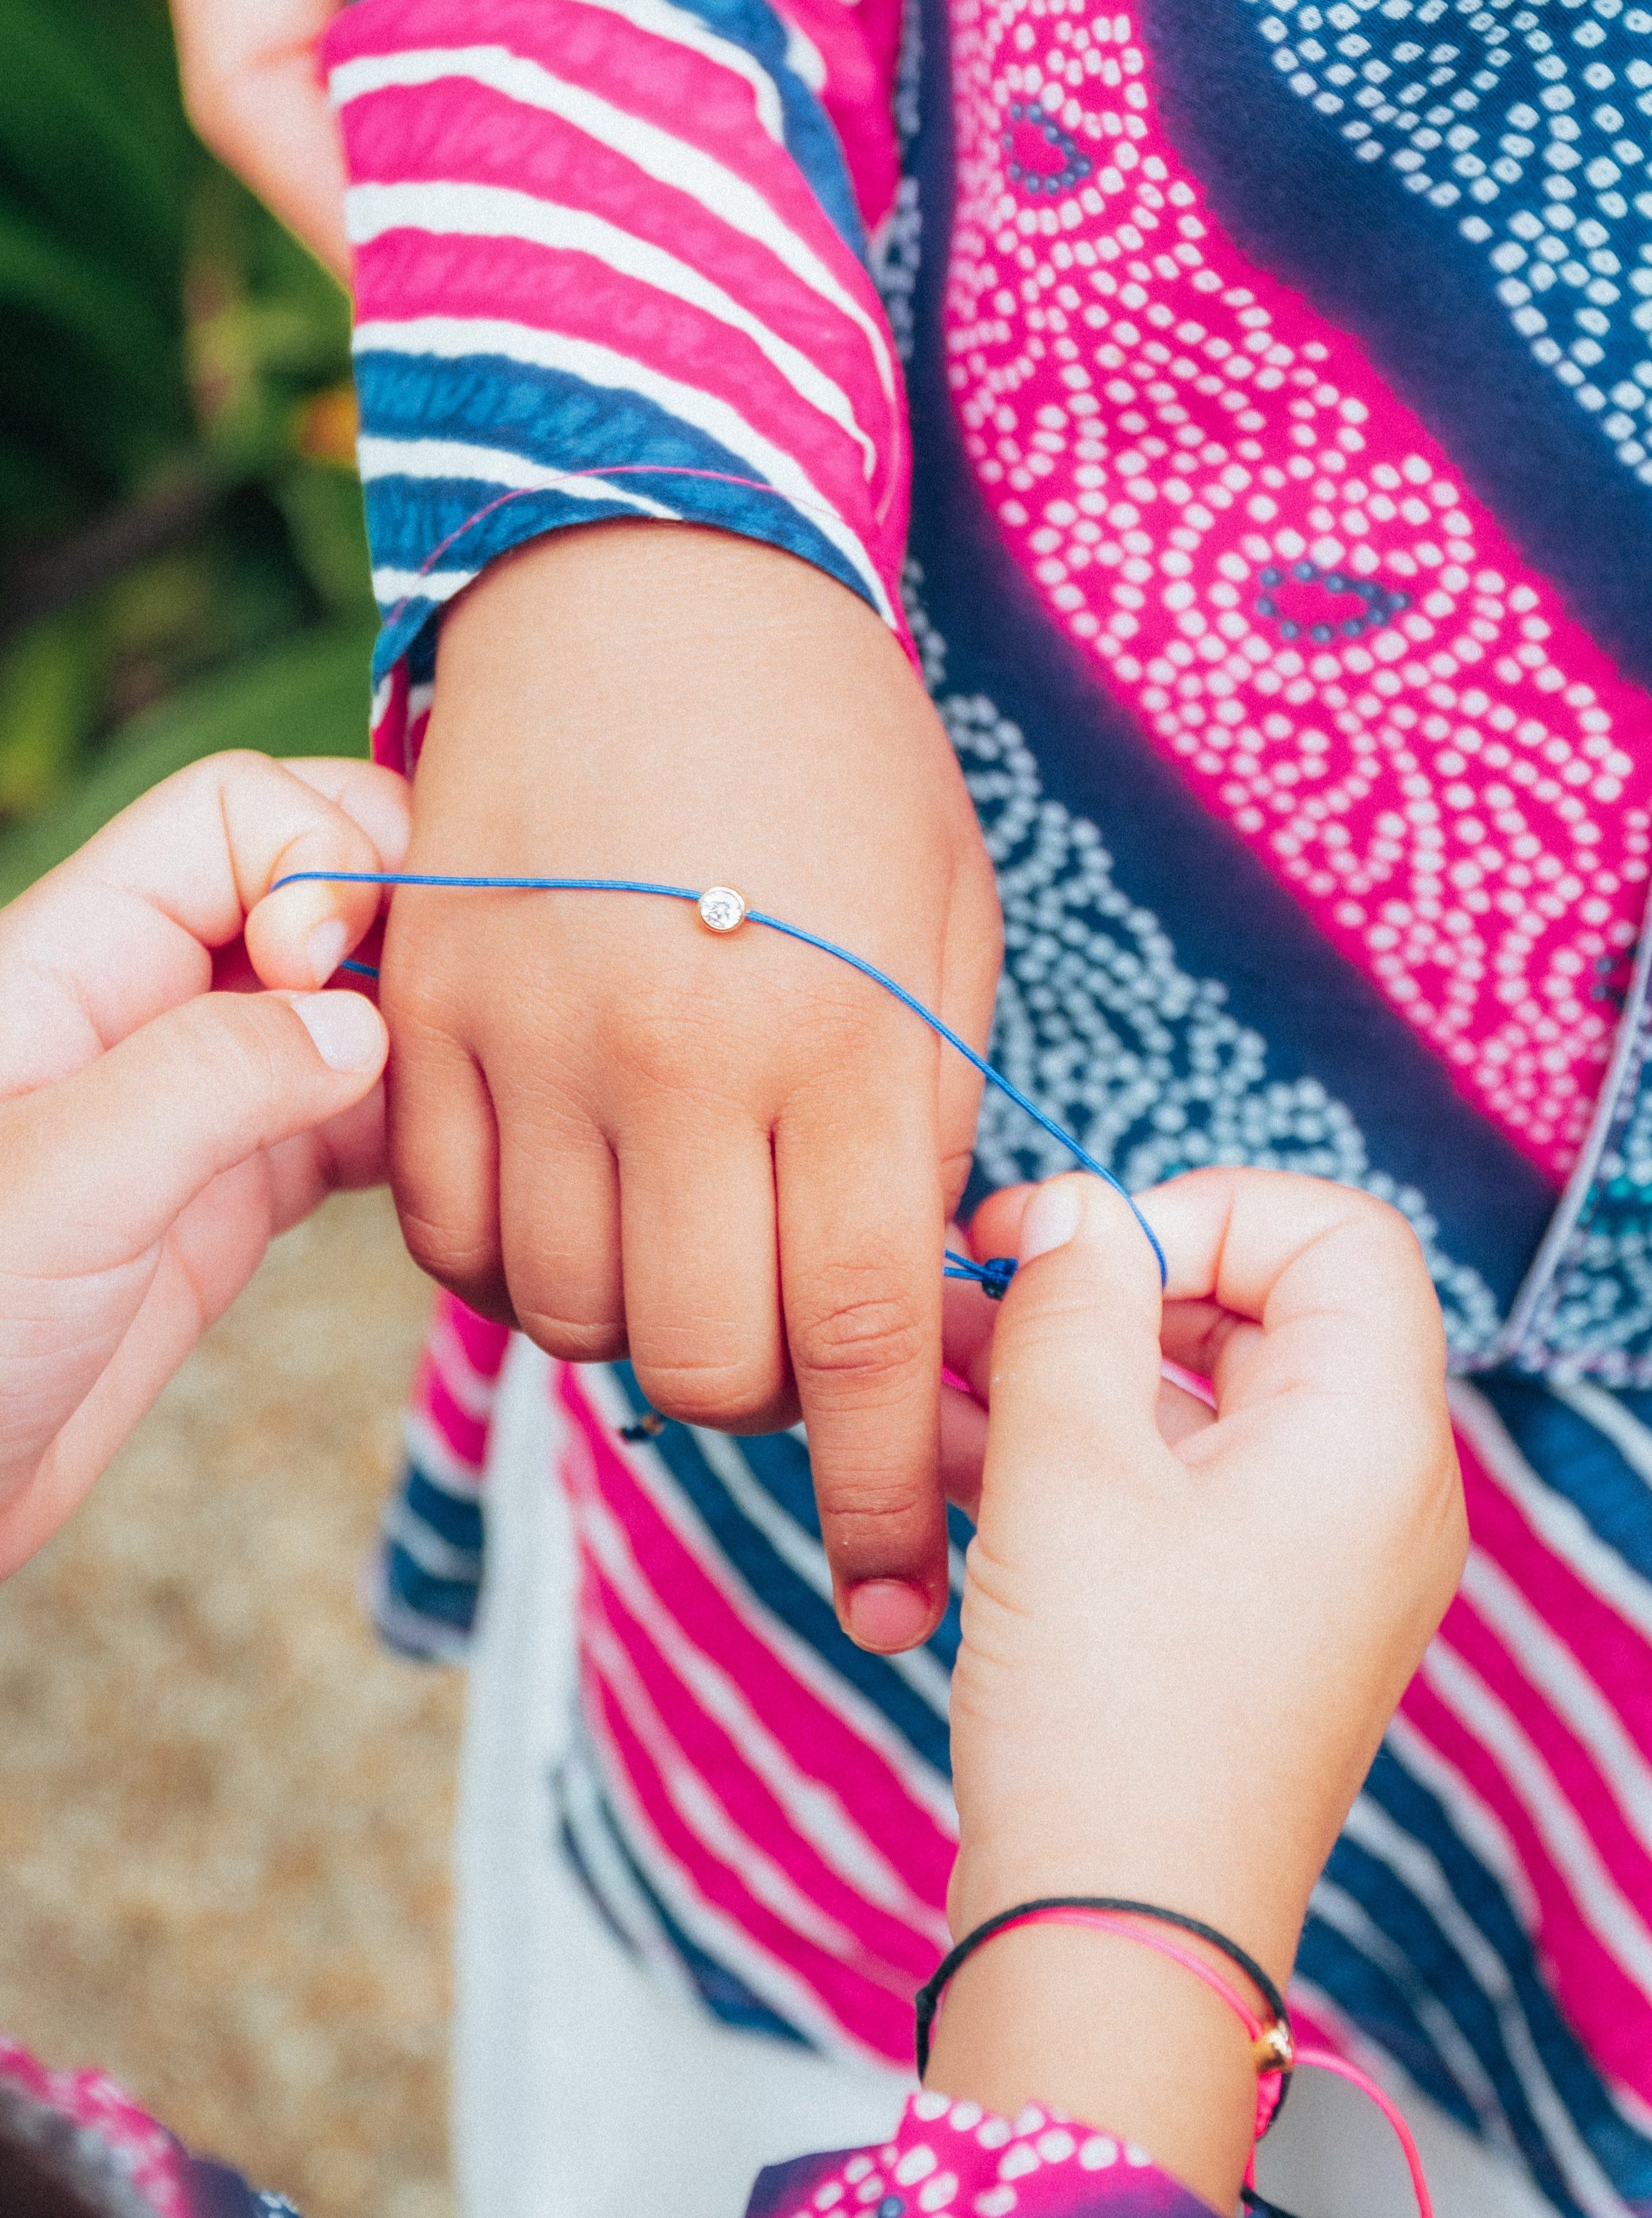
pixel 865 1509
pixel 418 1005
pixel 573 1339
pixel 444 1249
pixel 853 1336
pixel 722 1395
pixel 664 1046
pixel 1390 1234
pixel 231 762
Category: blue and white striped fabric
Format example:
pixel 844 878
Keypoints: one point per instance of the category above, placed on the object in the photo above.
pixel 553 286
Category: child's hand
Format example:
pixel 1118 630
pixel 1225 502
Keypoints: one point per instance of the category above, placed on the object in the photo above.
pixel 254 93
pixel 1177 1662
pixel 154 1134
pixel 732 1158
pixel 1167 1649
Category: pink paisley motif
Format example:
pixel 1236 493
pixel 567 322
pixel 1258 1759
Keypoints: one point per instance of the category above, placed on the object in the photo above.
pixel 1276 567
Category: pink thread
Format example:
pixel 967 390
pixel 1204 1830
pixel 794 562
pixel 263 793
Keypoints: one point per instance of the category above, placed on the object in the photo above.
pixel 1190 1382
pixel 1325 2060
pixel 602 470
pixel 1269 2085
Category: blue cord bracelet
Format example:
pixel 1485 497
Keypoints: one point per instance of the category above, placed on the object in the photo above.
pixel 727 911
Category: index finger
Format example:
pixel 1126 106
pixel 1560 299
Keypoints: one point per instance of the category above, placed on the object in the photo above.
pixel 860 1216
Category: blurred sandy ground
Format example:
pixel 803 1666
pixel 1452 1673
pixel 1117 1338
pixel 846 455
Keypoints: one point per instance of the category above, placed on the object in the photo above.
pixel 224 1811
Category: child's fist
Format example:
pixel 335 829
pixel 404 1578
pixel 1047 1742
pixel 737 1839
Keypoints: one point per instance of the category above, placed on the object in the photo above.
pixel 731 1158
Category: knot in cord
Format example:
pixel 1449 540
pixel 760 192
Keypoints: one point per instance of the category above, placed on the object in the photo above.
pixel 993 1277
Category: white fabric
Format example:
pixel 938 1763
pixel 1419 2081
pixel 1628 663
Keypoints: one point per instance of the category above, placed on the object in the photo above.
pixel 584 2089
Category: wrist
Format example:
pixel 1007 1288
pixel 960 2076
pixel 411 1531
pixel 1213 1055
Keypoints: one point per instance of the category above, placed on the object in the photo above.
pixel 1257 1905
pixel 1097 2027
pixel 640 700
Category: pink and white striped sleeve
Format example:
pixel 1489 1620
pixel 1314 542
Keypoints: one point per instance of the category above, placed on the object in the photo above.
pixel 609 262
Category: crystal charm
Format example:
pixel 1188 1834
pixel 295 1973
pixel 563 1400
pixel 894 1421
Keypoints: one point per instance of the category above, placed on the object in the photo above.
pixel 722 908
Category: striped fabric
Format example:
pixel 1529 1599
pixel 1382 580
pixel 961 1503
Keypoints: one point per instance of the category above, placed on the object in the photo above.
pixel 593 236
pixel 1483 1921
pixel 785 1795
pixel 1484 1917
pixel 425 1581
pixel 1274 576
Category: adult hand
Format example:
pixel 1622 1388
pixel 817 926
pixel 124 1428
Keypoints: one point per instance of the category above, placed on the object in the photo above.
pixel 1178 1660
pixel 732 1158
pixel 254 94
pixel 968 1318
pixel 155 1134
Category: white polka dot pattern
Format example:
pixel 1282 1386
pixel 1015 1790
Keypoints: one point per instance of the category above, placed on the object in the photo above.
pixel 1272 563
pixel 976 2165
pixel 1100 1023
pixel 1537 126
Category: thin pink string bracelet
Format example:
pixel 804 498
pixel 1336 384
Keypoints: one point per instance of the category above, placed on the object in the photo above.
pixel 1273 2045
pixel 606 470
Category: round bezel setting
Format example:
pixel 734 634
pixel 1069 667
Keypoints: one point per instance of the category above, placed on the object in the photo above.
pixel 721 909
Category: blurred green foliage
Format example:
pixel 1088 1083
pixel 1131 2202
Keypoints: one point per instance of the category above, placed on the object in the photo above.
pixel 176 490
pixel 305 697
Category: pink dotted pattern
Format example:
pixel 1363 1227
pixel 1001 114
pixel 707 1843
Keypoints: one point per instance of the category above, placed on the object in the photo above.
pixel 957 2158
pixel 1272 563
pixel 145 2154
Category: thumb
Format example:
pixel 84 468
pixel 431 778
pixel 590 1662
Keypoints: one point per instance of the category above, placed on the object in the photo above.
pixel 119 1151
pixel 1075 1354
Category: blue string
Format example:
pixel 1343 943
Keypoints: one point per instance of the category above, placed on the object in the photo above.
pixel 995 1275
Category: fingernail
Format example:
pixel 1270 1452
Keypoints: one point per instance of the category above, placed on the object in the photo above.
pixel 886 1615
pixel 326 949
pixel 1050 1220
pixel 345 1028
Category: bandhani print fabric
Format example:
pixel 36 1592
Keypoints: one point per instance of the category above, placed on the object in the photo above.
pixel 78 2132
pixel 1535 132
pixel 1285 576
pixel 83 2135
pixel 1250 448
pixel 948 2156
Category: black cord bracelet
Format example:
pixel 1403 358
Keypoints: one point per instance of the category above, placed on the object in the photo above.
pixel 928 1997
